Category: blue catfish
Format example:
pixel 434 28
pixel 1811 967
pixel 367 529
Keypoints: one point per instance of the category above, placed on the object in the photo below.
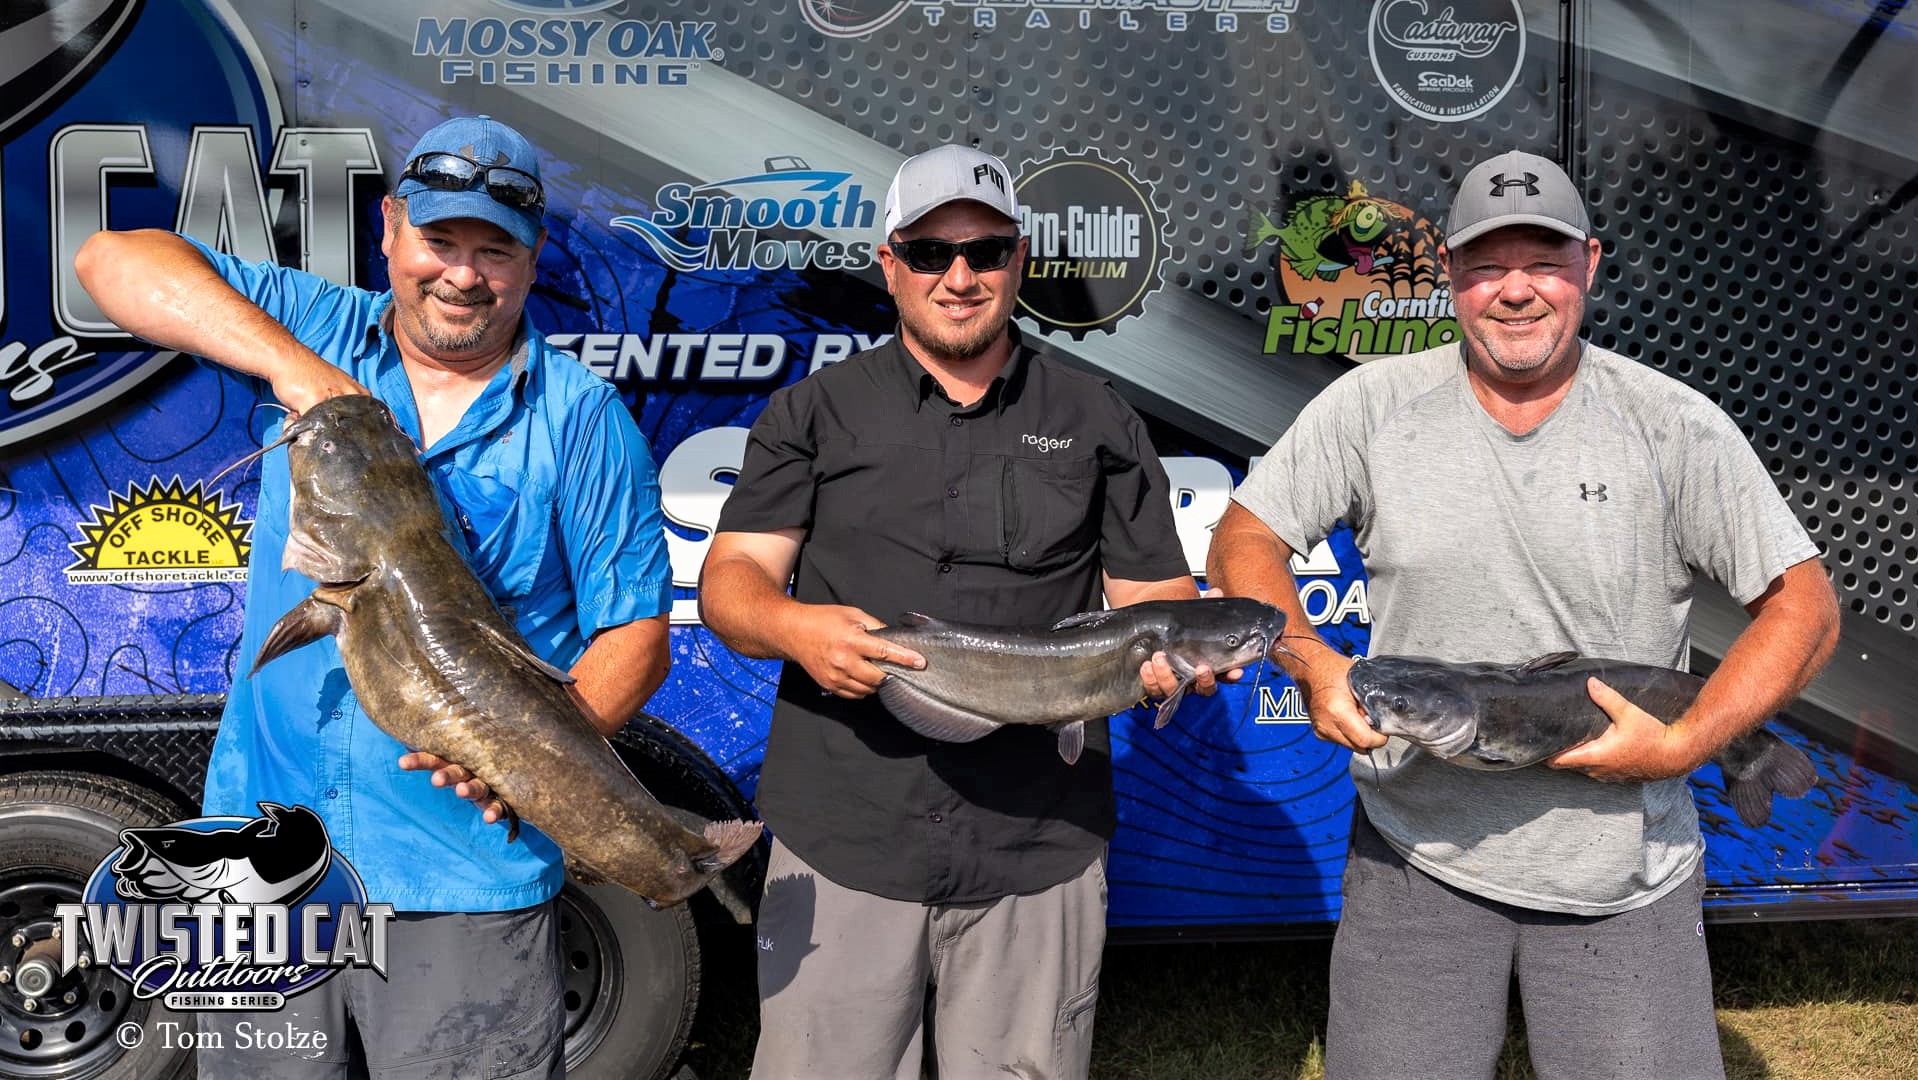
pixel 438 667
pixel 978 679
pixel 1507 716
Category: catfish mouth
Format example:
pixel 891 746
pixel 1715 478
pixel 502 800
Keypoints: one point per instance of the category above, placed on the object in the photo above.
pixel 1383 714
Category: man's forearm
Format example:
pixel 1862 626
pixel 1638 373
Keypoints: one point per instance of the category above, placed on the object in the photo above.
pixel 741 604
pixel 1793 632
pixel 1248 559
pixel 620 670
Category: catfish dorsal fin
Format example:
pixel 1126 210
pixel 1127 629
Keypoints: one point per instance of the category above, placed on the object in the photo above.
pixel 1084 618
pixel 520 650
pixel 1547 662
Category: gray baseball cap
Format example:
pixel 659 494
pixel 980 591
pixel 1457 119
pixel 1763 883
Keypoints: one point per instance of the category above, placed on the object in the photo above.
pixel 1516 188
pixel 928 181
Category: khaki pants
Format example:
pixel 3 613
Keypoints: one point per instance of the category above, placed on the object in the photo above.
pixel 845 979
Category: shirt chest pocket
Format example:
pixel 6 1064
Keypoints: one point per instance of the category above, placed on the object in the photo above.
pixel 1049 511
pixel 507 521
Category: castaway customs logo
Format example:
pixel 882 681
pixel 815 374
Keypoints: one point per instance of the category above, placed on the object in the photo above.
pixel 1446 60
pixel 163 532
pixel 857 18
pixel 1095 244
pixel 1358 276
pixel 226 912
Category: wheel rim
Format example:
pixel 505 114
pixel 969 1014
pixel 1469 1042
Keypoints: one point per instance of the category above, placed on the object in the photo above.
pixel 70 1039
pixel 593 974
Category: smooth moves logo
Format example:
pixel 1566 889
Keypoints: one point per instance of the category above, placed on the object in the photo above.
pixel 1095 244
pixel 772 220
pixel 224 913
pixel 1446 60
pixel 1358 276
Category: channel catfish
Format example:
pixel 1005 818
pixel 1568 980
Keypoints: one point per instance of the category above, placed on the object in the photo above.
pixel 1507 716
pixel 437 666
pixel 978 679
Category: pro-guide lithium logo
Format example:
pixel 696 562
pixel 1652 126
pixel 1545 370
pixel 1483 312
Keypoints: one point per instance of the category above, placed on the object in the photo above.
pixel 225 913
pixel 1095 244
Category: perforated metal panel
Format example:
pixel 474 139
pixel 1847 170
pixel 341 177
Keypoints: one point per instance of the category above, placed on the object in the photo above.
pixel 1766 263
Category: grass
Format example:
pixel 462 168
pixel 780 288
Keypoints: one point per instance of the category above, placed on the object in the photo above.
pixel 1796 1001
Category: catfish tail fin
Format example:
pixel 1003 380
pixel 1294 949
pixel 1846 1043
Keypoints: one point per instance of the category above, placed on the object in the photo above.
pixel 1775 766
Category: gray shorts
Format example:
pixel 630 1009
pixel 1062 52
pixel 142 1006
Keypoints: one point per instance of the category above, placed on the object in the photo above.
pixel 468 995
pixel 1421 974
pixel 857 985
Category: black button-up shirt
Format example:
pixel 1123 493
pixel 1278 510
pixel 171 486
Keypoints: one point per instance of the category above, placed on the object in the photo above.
pixel 1001 513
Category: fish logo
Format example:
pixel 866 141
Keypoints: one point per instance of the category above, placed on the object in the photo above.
pixel 273 859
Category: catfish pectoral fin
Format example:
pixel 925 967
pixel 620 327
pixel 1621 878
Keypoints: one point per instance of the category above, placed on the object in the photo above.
pixel 730 840
pixel 1072 741
pixel 310 620
pixel 1171 704
pixel 932 717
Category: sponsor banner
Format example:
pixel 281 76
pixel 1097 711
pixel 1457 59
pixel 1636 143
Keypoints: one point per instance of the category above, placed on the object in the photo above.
pixel 163 532
pixel 1358 276
pixel 533 43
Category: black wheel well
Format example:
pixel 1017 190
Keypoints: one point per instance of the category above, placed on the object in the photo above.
pixel 18 758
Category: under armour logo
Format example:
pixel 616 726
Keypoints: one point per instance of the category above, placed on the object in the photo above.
pixel 1592 494
pixel 989 174
pixel 1499 184
pixel 499 158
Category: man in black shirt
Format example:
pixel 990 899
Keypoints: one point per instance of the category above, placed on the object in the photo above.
pixel 956 473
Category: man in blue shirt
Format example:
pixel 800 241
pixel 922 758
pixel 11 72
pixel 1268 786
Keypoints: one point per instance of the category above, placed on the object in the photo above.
pixel 553 493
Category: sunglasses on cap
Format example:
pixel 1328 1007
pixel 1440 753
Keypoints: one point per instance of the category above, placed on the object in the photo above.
pixel 443 171
pixel 928 256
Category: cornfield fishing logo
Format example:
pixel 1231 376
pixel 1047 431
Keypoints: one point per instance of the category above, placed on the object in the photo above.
pixel 1095 244
pixel 162 532
pixel 1358 276
pixel 225 913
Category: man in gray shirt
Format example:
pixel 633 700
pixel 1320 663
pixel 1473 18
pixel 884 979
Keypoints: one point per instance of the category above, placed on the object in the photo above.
pixel 1518 493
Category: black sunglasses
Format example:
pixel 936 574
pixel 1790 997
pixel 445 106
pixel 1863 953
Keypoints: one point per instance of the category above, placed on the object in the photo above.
pixel 452 172
pixel 935 256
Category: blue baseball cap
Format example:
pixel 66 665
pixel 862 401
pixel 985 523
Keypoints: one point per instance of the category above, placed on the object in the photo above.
pixel 486 141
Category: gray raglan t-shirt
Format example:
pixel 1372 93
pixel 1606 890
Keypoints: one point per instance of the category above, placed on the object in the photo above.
pixel 1582 534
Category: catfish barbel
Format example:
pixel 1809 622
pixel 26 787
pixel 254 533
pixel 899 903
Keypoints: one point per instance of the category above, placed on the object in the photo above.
pixel 437 666
pixel 1507 716
pixel 978 679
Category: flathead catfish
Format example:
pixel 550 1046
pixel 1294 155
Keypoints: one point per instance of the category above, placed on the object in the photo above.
pixel 978 679
pixel 437 666
pixel 1507 716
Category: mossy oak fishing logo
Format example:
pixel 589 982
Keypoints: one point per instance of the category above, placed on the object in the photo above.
pixel 1095 244
pixel 1446 60
pixel 225 912
pixel 163 532
pixel 1358 276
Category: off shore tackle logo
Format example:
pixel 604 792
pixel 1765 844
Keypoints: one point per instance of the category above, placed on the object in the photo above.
pixel 1095 244
pixel 858 18
pixel 225 912
pixel 163 532
pixel 1358 276
pixel 761 221
pixel 1450 62
pixel 582 47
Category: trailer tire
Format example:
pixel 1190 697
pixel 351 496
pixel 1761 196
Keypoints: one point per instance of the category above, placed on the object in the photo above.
pixel 632 983
pixel 55 828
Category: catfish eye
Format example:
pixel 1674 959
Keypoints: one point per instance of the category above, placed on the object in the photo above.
pixel 326 446
pixel 1232 641
pixel 1400 703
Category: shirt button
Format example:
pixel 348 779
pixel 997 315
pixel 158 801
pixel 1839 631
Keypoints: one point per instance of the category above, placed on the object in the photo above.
pixel 936 817
pixel 956 421
pixel 952 493
pixel 945 568
pixel 332 793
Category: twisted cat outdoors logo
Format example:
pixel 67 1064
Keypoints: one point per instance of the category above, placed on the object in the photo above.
pixel 225 913
pixel 162 532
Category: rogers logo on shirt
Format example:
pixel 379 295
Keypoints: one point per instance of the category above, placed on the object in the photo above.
pixel 1045 443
